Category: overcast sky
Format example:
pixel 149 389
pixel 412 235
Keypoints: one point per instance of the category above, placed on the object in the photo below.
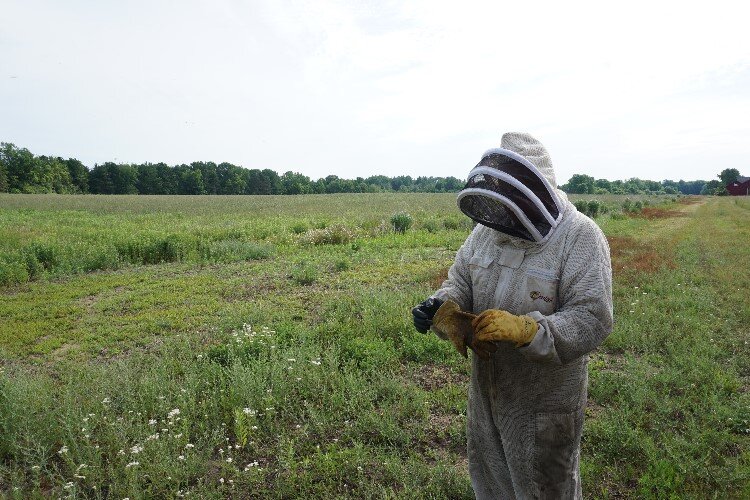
pixel 650 89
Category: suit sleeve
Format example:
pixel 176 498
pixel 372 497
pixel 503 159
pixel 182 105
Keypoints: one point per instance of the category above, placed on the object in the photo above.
pixel 585 316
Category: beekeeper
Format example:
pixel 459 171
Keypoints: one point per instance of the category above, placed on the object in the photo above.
pixel 534 282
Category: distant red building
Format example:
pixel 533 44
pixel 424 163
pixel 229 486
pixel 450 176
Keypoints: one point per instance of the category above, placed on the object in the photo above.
pixel 740 187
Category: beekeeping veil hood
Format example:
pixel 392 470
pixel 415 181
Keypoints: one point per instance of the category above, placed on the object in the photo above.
pixel 513 190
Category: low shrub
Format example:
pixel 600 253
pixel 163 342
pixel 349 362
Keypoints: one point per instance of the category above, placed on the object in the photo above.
pixel 298 228
pixel 305 273
pixel 233 250
pixel 582 206
pixel 150 249
pixel 13 272
pixel 341 265
pixel 431 226
pixel 401 222
pixel 451 224
pixel 333 235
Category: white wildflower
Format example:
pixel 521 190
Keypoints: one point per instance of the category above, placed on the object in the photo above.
pixel 136 449
pixel 62 450
pixel 181 457
pixel 189 446
pixel 132 464
pixel 152 421
pixel 106 401
pixel 68 485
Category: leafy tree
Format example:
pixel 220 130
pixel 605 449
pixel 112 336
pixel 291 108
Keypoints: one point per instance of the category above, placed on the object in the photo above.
pixel 46 175
pixel 729 175
pixel 79 174
pixel 714 187
pixel 18 163
pixel 580 184
pixel 124 178
pixel 100 181
pixel 603 186
pixel 168 178
pixel 380 181
pixel 397 183
pixel 231 179
pixel 209 176
pixel 295 183
pixel 3 178
pixel 190 180
pixel 149 181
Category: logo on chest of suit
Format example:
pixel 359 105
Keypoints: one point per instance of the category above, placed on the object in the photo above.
pixel 538 295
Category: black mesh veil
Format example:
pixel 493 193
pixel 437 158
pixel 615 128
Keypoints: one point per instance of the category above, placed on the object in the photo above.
pixel 505 194
pixel 494 214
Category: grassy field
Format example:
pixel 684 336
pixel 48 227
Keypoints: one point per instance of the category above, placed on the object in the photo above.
pixel 262 347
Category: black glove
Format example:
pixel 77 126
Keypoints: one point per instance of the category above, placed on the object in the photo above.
pixel 424 312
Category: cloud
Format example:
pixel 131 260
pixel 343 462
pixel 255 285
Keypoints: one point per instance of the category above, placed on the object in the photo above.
pixel 649 89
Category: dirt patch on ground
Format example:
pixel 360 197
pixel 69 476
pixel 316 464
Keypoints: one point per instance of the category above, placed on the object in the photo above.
pixel 652 213
pixel 438 278
pixel 593 409
pixel 690 200
pixel 431 377
pixel 89 300
pixel 629 254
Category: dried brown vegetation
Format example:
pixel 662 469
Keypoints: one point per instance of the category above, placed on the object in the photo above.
pixel 629 254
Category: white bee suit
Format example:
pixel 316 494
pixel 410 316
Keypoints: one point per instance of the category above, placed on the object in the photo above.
pixel 526 405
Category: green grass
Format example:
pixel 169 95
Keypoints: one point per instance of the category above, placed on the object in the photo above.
pixel 339 396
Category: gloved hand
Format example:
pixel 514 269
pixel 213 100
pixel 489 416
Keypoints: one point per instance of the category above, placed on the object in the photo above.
pixel 455 324
pixel 424 313
pixel 495 324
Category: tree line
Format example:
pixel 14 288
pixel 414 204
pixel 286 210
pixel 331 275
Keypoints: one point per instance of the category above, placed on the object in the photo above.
pixel 23 172
pixel 585 184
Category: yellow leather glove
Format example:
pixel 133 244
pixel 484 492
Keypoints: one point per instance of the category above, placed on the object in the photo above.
pixel 450 321
pixel 496 324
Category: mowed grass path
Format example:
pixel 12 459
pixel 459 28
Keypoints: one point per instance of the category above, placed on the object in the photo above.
pixel 340 397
